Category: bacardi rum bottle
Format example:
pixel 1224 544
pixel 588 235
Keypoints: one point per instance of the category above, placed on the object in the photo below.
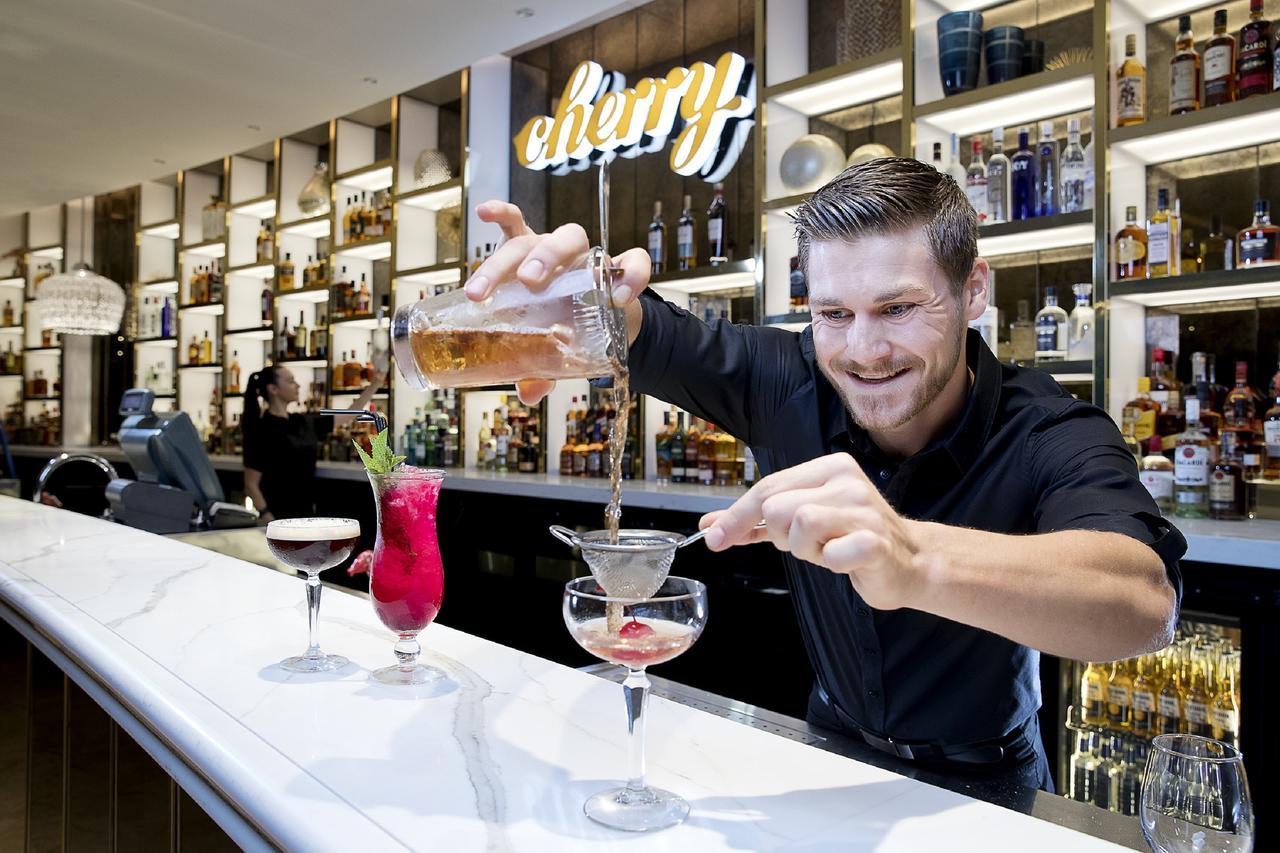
pixel 1254 62
pixel 1192 459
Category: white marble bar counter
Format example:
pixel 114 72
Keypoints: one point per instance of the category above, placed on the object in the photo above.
pixel 1254 543
pixel 179 645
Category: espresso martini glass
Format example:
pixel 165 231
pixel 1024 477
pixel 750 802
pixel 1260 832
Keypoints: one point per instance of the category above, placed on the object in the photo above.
pixel 312 545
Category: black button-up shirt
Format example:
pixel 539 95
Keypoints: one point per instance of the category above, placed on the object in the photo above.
pixel 1024 456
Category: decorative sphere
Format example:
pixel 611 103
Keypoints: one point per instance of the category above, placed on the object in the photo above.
pixel 431 168
pixel 867 153
pixel 810 162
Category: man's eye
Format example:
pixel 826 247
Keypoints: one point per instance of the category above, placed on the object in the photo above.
pixel 899 310
pixel 834 314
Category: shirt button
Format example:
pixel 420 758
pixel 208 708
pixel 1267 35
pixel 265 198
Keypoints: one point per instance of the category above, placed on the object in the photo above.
pixel 884 473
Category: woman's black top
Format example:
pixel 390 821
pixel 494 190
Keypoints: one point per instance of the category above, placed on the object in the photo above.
pixel 284 450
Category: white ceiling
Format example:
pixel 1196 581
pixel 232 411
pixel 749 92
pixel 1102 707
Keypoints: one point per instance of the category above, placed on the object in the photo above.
pixel 96 93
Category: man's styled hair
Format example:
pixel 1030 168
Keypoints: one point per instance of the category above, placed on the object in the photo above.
pixel 893 194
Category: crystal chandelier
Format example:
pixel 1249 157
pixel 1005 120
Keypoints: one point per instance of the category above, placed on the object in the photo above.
pixel 80 302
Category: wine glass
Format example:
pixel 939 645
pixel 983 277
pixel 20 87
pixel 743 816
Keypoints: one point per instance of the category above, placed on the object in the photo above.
pixel 1195 797
pixel 406 577
pixel 636 634
pixel 312 545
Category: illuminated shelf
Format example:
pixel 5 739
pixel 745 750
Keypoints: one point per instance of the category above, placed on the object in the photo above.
pixel 54 252
pixel 786 204
pixel 726 276
pixel 263 207
pixel 56 349
pixel 1158 10
pixel 316 226
pixel 169 343
pixel 370 250
pixel 434 274
pixel 438 197
pixel 162 285
pixel 303 362
pixel 795 318
pixel 842 86
pixel 345 392
pixel 362 322
pixel 315 293
pixel 1039 234
pixel 39 397
pixel 375 176
pixel 1215 286
pixel 255 270
pixel 261 333
pixel 200 368
pixel 203 308
pixel 1073 372
pixel 210 249
pixel 1019 101
pixel 18 282
pixel 16 330
pixel 165 230
pixel 1208 131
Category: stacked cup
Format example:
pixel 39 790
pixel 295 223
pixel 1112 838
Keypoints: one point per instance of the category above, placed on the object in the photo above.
pixel 959 50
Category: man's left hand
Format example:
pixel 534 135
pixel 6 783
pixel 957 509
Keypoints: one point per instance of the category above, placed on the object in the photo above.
pixel 827 512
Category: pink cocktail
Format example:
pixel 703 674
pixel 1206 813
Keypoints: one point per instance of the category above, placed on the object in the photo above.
pixel 406 578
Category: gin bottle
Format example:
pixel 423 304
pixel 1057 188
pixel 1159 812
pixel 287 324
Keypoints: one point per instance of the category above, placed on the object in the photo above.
pixel 975 185
pixel 1052 329
pixel 954 167
pixel 998 179
pixel 1074 171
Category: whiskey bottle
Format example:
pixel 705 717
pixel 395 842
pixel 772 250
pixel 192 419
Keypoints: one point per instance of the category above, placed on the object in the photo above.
pixel 1210 420
pixel 1217 251
pixel 1193 457
pixel 1131 87
pixel 1139 414
pixel 1228 500
pixel 301 341
pixel 268 302
pixel 1190 252
pixel 1163 248
pixel 1271 431
pixel 1220 63
pixel 206 350
pixel 1253 63
pixel 997 179
pixel 1184 71
pixel 975 182
pixel 1259 244
pixel 678 439
pixel 1156 475
pixel 265 244
pixel 284 275
pixel 233 374
pixel 718 227
pixel 657 241
pixel 662 450
pixel 686 248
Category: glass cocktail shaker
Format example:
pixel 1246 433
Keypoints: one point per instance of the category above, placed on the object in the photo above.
pixel 570 330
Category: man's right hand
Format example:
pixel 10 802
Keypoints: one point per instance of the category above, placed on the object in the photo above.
pixel 538 259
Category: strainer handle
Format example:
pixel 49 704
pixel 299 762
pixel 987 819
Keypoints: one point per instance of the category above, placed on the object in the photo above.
pixel 565 535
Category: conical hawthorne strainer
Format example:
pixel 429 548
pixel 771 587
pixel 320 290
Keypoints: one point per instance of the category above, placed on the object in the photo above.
pixel 635 568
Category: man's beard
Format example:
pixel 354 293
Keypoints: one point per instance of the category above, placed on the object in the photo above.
pixel 882 412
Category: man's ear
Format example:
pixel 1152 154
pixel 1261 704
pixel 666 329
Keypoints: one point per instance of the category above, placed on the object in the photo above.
pixel 976 295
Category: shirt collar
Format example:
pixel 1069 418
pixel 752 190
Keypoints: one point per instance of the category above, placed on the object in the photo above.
pixel 962 441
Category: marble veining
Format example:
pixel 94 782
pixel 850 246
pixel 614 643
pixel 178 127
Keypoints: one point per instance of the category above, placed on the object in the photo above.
pixel 499 757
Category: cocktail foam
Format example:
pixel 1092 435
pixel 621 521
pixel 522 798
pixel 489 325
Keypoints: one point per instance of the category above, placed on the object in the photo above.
pixel 313 529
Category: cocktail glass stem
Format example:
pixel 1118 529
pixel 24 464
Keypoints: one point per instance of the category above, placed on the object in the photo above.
pixel 313 616
pixel 635 691
pixel 407 650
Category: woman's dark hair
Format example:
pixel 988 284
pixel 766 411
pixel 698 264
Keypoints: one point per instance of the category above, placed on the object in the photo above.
pixel 254 390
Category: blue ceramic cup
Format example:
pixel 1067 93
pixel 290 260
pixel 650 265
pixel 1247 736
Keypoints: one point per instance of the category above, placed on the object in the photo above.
pixel 1004 48
pixel 959 50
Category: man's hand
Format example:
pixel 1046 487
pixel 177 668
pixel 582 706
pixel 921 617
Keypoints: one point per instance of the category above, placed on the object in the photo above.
pixel 538 259
pixel 827 512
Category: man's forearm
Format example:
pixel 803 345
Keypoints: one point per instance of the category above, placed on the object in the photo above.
pixel 1077 594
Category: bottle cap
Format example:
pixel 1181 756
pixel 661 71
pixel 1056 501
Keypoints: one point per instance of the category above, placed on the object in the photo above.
pixel 1130 44
pixel 1131 212
pixel 1261 207
pixel 1046 128
pixel 1220 18
pixel 1184 23
pixel 1144 384
pixel 1163 196
pixel 1073 125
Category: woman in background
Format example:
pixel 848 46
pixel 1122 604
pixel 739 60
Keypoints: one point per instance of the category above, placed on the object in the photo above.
pixel 280 447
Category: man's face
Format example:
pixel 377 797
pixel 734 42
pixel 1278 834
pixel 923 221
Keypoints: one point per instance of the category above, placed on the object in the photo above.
pixel 888 326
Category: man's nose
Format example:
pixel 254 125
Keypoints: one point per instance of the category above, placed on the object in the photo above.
pixel 865 342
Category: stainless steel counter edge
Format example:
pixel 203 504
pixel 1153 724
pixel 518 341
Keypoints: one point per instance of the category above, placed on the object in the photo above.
pixel 1253 544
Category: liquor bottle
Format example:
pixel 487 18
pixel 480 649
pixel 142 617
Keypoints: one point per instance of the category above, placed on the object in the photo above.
pixel 8 313
pixel 285 273
pixel 319 344
pixel 1196 705
pixel 1083 767
pixel 1022 178
pixel 1220 63
pixel 1228 496
pixel 1074 167
pixel 1131 87
pixel 596 449
pixel 686 247
pixel 718 227
pixel 1184 71
pixel 997 179
pixel 1157 476
pixel 265 244
pixel 657 241
pixel 1131 247
pixel 1193 457
pixel 1217 251
pixel 206 350
pixel 937 158
pixel 364 299
pixel 515 446
pixel 1240 412
pixel 1189 252
pixel 1089 178
pixel 726 459
pixel 662 450
pixel 1126 781
pixel 215 282
pixel 1163 248
pixel 1143 720
pixel 1210 420
pixel 796 282
pixel 1109 753
pixel 678 438
pixel 975 182
pixel 1093 689
pixel 1259 244
pixel 309 272
pixel 1080 346
pixel 1165 388
pixel 955 168
pixel 1022 334
pixel 300 338
pixel 580 449
pixel 233 374
pixel 1052 329
pixel 1140 413
pixel 1271 432
pixel 1254 71
pixel 707 456
pixel 484 444
pixel 1047 201
pixel 1224 710
pixel 1119 696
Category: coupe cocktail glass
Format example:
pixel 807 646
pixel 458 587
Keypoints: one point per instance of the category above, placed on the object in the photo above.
pixel 654 630
pixel 312 545
pixel 406 579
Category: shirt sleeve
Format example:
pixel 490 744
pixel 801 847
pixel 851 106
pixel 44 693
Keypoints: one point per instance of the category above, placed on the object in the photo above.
pixel 732 375
pixel 1085 479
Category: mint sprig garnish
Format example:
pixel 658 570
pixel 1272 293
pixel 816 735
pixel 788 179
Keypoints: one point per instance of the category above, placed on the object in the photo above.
pixel 382 460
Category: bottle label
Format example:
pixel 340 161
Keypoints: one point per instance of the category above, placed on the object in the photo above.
pixel 655 246
pixel 1258 248
pixel 1169 706
pixel 1129 250
pixel 1224 719
pixel 1217 69
pixel 1117 695
pixel 977 194
pixel 1145 426
pixel 1197 712
pixel 1253 65
pixel 1251 460
pixel 1092 691
pixel 684 237
pixel 715 231
pixel 1222 488
pixel 1144 700
pixel 1161 397
pixel 1272 431
pixel 1191 466
pixel 1130 97
pixel 1183 86
pixel 1158 243
pixel 705 475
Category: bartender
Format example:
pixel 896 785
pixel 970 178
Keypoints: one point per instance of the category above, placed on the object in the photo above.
pixel 944 517
pixel 280 446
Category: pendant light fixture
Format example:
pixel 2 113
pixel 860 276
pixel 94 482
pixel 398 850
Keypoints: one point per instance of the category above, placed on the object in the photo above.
pixel 80 302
